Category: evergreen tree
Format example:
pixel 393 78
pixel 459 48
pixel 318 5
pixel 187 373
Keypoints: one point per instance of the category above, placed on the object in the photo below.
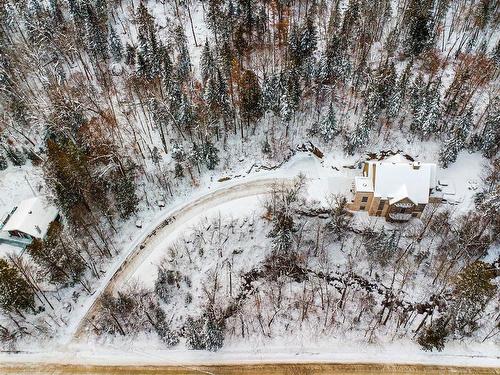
pixel 123 188
pixel 419 20
pixel 334 64
pixel 95 34
pixel 196 156
pixel 101 8
pixel 205 333
pixel 328 127
pixel 183 58
pixel 473 289
pixel 250 96
pixel 433 111
pixel 166 70
pixel 449 152
pixel 490 140
pixel 162 328
pixel 418 104
pixel 129 55
pixel 434 336
pixel 457 141
pixel 207 64
pixel 115 45
pixel 210 155
pixel 381 247
pixel 398 96
pixel 340 218
pixel 16 156
pixel 57 256
pixel 271 94
pixel 290 94
pixel 16 292
pixel 178 170
pixel 3 163
pixel 166 283
pixel 357 139
pixel 282 231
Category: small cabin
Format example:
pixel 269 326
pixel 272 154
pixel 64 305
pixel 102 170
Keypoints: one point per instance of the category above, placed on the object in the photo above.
pixel 28 220
pixel 394 188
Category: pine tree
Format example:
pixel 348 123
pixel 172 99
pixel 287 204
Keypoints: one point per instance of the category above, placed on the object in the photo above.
pixel 115 45
pixel 207 64
pixel 434 336
pixel 340 218
pixel 271 94
pixel 16 156
pixel 183 58
pixel 328 127
pixel 250 96
pixel 95 34
pixel 419 35
pixel 490 140
pixel 3 163
pixel 178 170
pixel 473 289
pixel 433 111
pixel 166 283
pixel 166 70
pixel 418 104
pixel 214 333
pixel 290 94
pixel 461 128
pixel 196 156
pixel 123 188
pixel 205 333
pixel 129 55
pixel 334 64
pixel 162 328
pixel 101 8
pixel 210 155
pixel 449 152
pixel 57 257
pixel 357 139
pixel 16 292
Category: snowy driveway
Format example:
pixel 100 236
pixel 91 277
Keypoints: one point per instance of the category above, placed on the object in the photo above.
pixel 158 232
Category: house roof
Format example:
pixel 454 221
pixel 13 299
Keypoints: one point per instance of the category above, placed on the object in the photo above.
pixel 363 184
pixel 32 216
pixel 397 179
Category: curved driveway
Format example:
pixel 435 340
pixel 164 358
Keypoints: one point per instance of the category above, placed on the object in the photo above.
pixel 172 221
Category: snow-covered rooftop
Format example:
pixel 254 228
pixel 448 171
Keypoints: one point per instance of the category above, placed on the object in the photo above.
pixel 363 184
pixel 397 178
pixel 32 216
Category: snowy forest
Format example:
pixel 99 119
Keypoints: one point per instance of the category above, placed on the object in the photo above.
pixel 116 106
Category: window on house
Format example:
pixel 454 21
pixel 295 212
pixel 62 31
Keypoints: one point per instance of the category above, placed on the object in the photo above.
pixel 381 205
pixel 364 199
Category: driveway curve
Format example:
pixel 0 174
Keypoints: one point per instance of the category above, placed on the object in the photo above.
pixel 173 220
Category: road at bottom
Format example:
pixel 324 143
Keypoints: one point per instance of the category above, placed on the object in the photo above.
pixel 247 369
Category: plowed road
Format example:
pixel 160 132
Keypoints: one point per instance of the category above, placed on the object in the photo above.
pixel 250 369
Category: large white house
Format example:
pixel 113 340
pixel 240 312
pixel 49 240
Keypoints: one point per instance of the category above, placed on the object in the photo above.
pixel 30 219
pixel 395 188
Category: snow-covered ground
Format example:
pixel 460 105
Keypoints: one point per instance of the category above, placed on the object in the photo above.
pixel 147 350
pixel 323 177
